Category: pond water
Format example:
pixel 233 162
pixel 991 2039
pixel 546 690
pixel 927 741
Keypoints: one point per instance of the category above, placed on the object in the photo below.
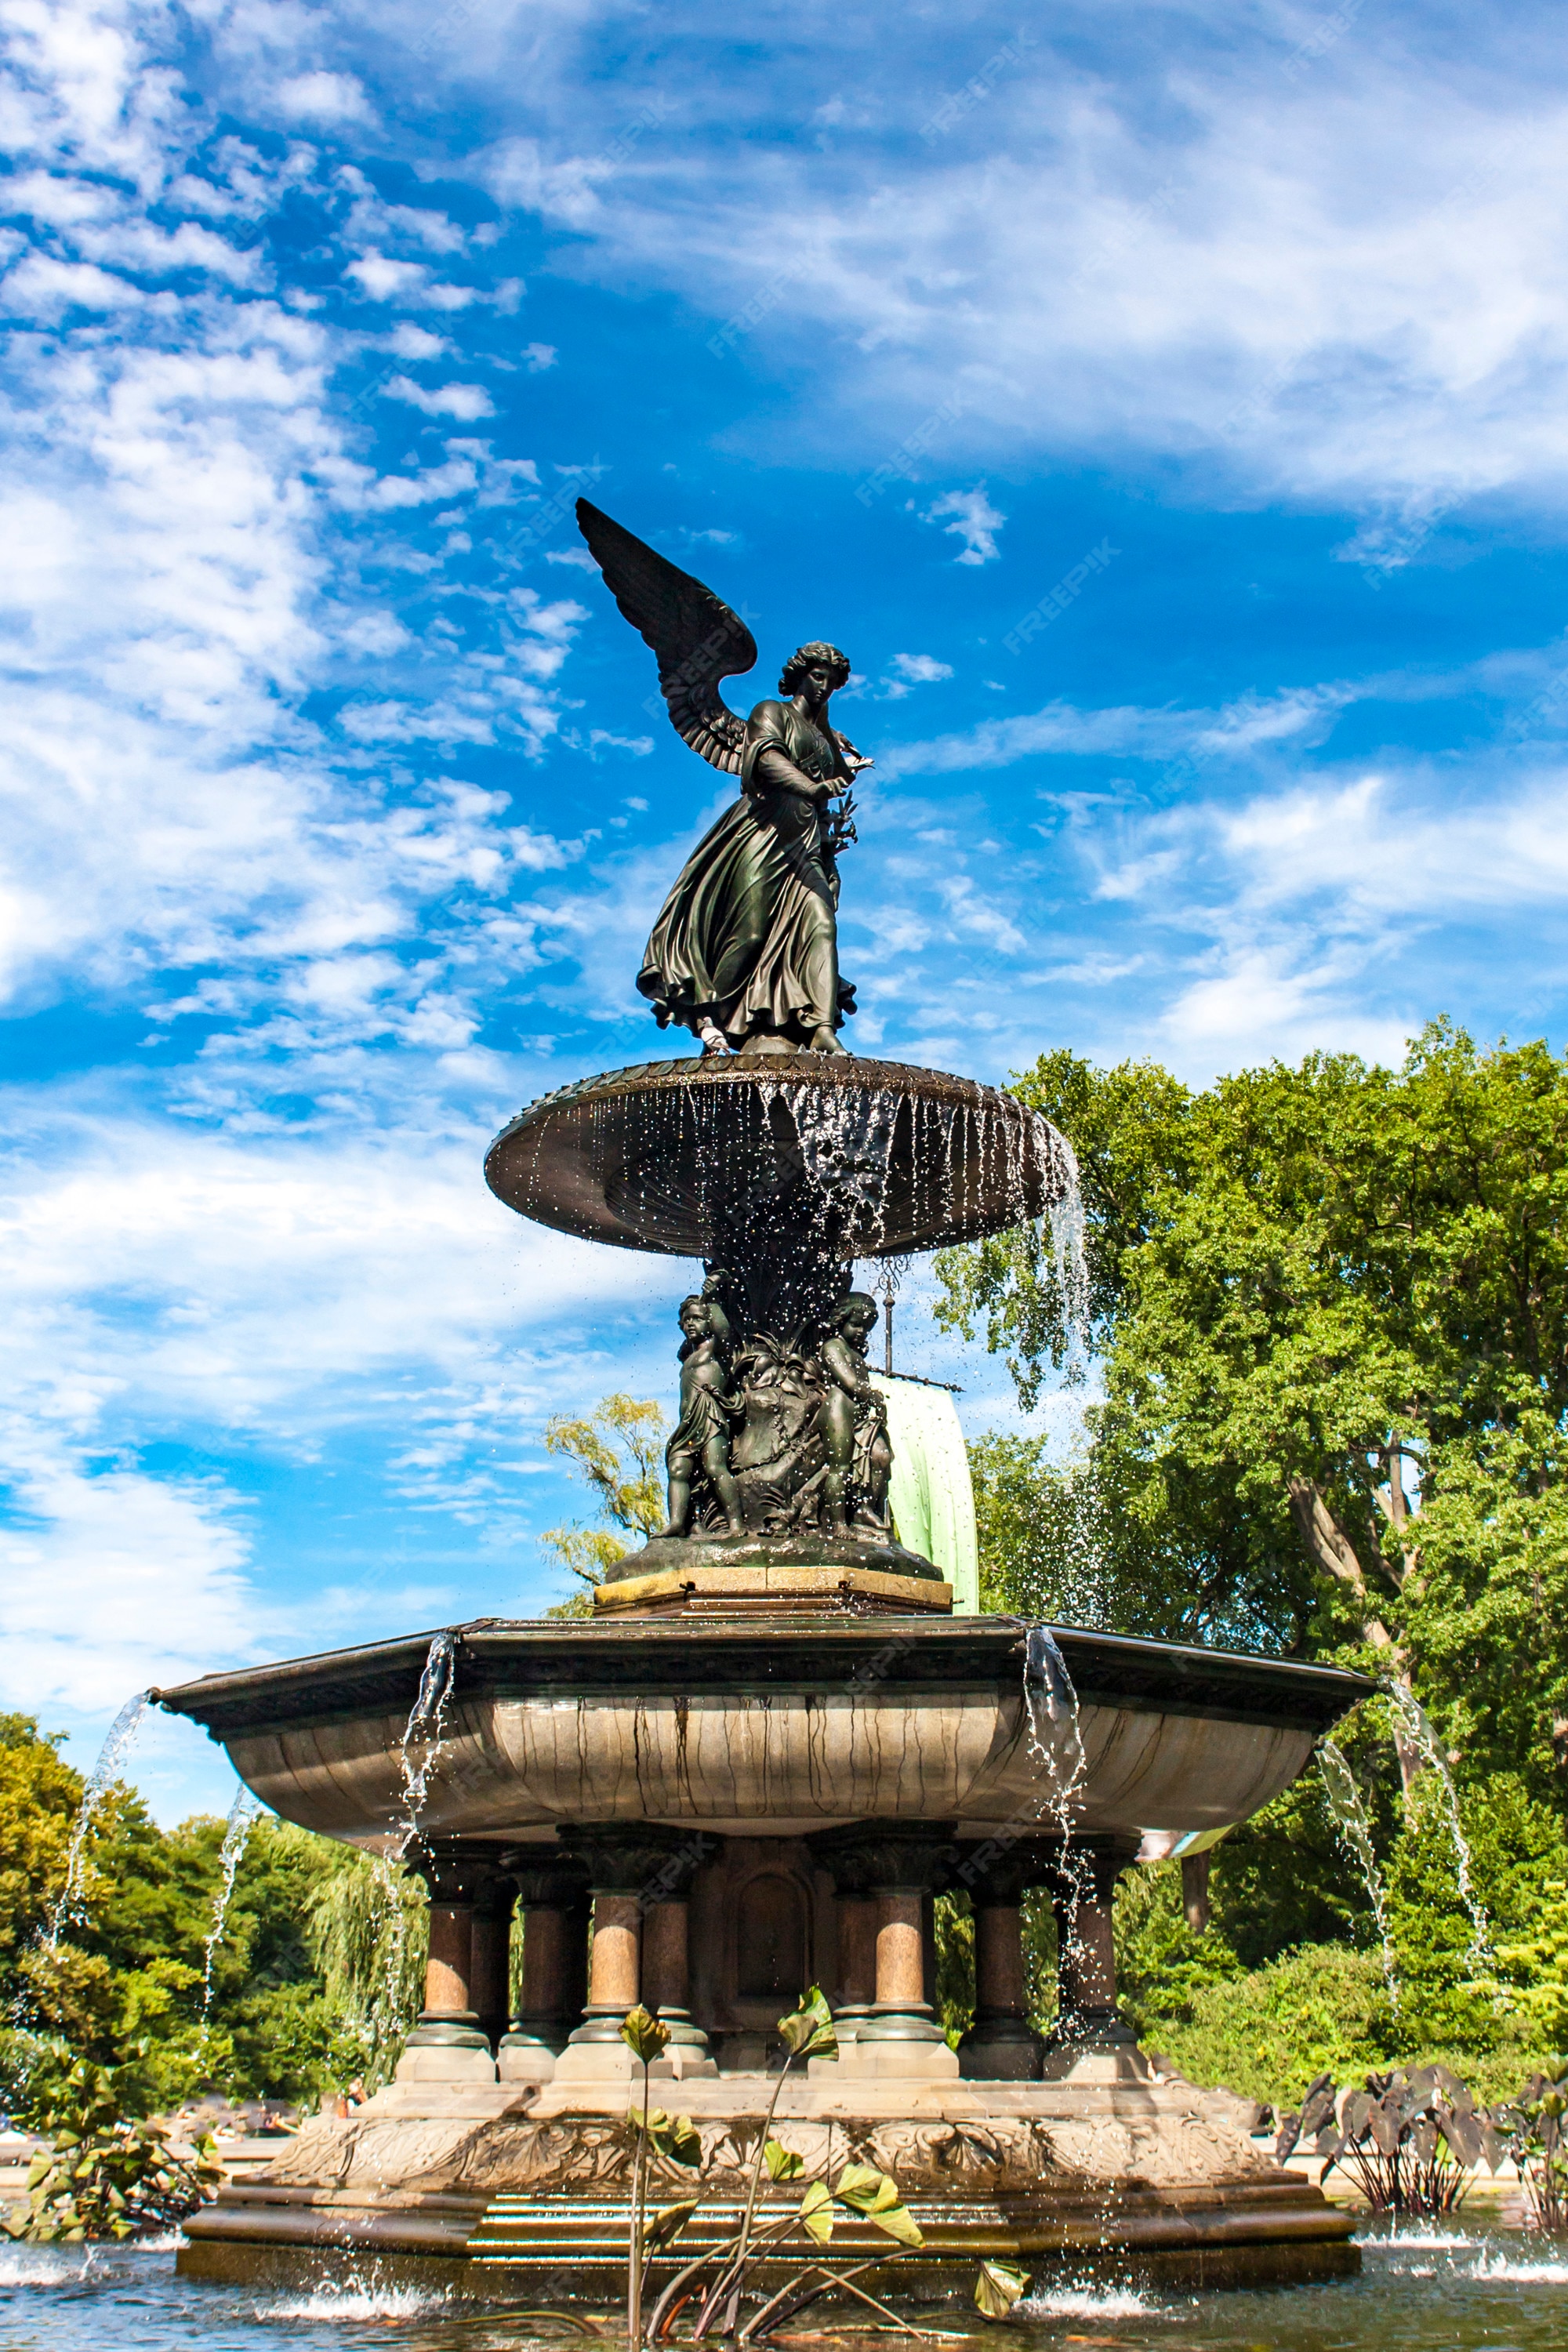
pixel 1423 2289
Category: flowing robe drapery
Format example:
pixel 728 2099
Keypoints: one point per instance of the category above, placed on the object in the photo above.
pixel 748 939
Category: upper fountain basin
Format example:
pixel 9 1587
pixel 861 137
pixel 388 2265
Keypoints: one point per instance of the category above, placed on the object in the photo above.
pixel 771 1726
pixel 664 1155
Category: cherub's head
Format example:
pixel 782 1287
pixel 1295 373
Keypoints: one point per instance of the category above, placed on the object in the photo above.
pixel 855 1316
pixel 820 668
pixel 696 1320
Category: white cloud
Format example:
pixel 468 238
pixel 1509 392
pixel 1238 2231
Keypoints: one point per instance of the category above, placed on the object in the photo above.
pixel 1345 282
pixel 464 401
pixel 384 279
pixel 324 98
pixel 412 342
pixel 975 521
pixel 906 671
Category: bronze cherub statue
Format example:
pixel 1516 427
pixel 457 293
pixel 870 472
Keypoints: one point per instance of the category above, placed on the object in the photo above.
pixel 745 950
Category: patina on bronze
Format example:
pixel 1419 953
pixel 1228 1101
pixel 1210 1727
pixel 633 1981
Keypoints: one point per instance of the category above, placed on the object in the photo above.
pixel 745 950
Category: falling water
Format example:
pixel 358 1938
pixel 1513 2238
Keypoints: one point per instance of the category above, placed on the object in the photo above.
pixel 1350 1815
pixel 1056 1740
pixel 1068 1260
pixel 1418 1729
pixel 391 2023
pixel 242 1816
pixel 426 1731
pixel 104 1773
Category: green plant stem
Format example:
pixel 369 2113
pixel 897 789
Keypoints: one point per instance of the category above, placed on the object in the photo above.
pixel 729 2278
pixel 639 2192
pixel 829 2279
pixel 766 2134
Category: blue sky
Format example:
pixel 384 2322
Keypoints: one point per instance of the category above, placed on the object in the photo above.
pixel 1164 406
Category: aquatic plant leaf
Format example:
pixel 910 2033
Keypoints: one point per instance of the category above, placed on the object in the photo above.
pixel 1384 2127
pixel 670 2222
pixel 816 2212
pixel 859 2186
pixel 897 2221
pixel 675 2137
pixel 1318 2106
pixel 644 2035
pixel 997 2288
pixel 807 2032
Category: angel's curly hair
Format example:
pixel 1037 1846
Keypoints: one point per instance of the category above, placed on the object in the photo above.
pixel 807 657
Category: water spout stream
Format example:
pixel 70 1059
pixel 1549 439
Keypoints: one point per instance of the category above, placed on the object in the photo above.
pixel 1350 1816
pixel 425 1734
pixel 1056 1738
pixel 242 1817
pixel 1418 1728
pixel 104 1773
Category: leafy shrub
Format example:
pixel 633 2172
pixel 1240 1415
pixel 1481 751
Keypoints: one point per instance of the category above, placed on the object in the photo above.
pixel 1265 2035
pixel 103 2176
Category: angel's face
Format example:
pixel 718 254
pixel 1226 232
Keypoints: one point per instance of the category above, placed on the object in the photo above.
pixel 819 681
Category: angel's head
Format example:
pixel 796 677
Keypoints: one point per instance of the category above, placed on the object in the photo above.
pixel 821 669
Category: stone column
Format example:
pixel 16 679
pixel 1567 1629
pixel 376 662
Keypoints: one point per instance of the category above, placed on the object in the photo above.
pixel 666 1953
pixel 448 2045
pixel 901 1954
pixel 553 1893
pixel 845 1855
pixel 489 1984
pixel 626 1862
pixel 898 1863
pixel 857 1958
pixel 1088 2020
pixel 1001 2046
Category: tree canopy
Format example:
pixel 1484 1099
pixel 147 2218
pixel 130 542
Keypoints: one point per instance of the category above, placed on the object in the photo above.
pixel 1330 1309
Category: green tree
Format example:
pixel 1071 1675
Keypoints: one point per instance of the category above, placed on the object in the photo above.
pixel 39 1795
pixel 1331 1307
pixel 297 2005
pixel 619 1450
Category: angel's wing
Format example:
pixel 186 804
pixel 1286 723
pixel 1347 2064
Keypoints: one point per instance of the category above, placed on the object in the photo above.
pixel 697 638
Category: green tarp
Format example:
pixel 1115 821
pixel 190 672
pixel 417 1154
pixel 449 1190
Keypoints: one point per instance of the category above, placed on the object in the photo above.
pixel 932 1498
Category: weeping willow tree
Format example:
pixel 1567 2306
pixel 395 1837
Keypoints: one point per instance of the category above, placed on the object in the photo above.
pixel 367 1925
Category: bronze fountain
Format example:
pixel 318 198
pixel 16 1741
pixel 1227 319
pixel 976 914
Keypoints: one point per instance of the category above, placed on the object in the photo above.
pixel 775 1743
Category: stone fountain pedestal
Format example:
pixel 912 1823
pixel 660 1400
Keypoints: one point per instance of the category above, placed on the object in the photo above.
pixel 754 1771
pixel 746 1798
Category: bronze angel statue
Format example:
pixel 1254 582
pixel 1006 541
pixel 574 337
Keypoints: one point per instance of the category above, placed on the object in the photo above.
pixel 745 950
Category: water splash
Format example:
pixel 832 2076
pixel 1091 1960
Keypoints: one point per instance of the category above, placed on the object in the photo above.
pixel 104 1773
pixel 1418 1729
pixel 242 1816
pixel 1349 1817
pixel 425 1734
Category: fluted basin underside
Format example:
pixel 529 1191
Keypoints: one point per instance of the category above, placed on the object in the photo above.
pixel 770 1727
pixel 667 1155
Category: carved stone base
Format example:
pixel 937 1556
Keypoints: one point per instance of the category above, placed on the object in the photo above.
pixel 1000 2050
pixel 1150 2178
pixel 772 1573
pixel 446 2049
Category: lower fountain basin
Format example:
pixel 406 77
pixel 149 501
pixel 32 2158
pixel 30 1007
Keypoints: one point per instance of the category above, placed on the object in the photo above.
pixel 768 1724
